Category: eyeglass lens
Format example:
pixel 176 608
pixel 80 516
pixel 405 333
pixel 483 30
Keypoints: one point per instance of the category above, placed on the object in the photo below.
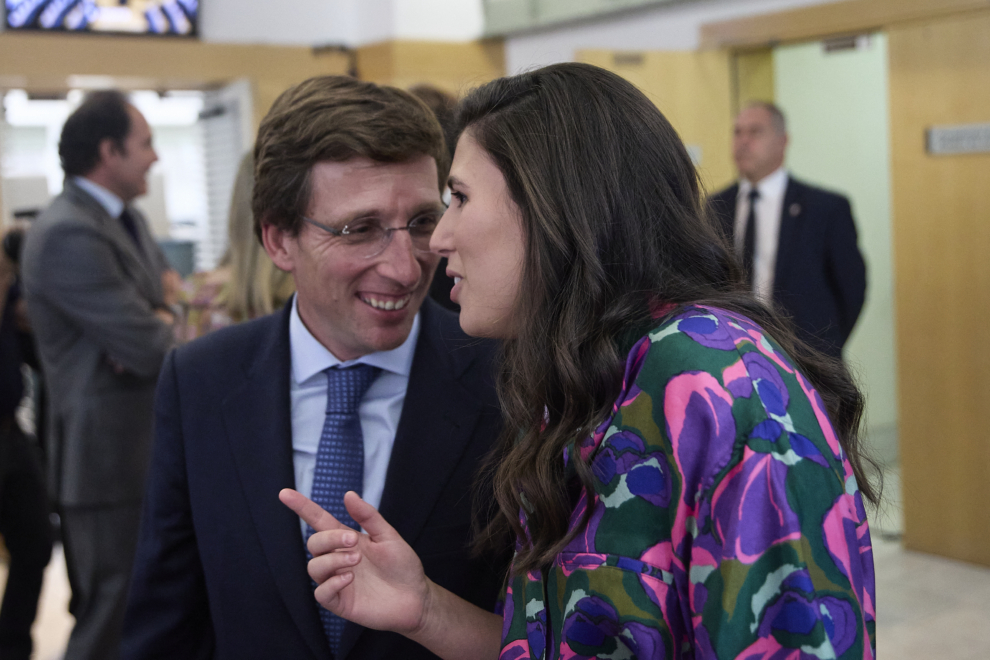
pixel 373 239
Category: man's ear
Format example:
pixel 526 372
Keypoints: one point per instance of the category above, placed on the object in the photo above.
pixel 280 246
pixel 108 148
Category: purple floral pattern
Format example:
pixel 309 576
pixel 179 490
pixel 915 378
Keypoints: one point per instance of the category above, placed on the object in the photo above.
pixel 725 522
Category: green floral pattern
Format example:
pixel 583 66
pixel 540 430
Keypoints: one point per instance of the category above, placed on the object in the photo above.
pixel 726 521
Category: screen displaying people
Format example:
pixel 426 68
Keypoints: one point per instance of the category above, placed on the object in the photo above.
pixel 176 17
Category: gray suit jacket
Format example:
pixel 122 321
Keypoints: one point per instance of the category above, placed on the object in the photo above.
pixel 91 295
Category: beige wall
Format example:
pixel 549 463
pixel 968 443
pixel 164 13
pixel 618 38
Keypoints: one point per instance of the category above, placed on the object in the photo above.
pixel 694 92
pixel 47 62
pixel 56 63
pixel 827 19
pixel 939 74
pixel 753 77
pixel 453 67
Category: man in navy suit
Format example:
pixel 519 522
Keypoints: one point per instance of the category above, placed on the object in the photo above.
pixel 797 242
pixel 347 193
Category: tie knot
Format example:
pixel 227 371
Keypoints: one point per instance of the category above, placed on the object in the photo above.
pixel 754 195
pixel 346 387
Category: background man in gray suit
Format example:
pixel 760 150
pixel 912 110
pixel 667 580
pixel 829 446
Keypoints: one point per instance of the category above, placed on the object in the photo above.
pixel 98 291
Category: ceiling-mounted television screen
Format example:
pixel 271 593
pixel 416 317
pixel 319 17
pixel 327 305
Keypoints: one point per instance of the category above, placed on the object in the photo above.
pixel 158 17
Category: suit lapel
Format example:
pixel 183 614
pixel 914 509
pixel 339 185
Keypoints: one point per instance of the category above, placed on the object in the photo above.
pixel 725 210
pixel 790 218
pixel 138 265
pixel 438 418
pixel 138 259
pixel 149 254
pixel 258 426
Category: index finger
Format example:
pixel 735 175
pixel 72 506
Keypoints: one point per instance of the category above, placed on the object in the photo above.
pixel 308 510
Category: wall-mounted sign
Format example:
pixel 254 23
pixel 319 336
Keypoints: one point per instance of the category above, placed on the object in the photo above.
pixel 961 139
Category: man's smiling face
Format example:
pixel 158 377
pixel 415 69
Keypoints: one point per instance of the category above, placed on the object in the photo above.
pixel 353 304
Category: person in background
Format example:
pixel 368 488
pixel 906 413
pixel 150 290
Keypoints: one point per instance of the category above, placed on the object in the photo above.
pixel 681 475
pixel 100 297
pixel 361 382
pixel 444 107
pixel 24 506
pixel 246 284
pixel 797 243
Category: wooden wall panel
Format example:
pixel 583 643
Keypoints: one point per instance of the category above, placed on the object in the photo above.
pixel 454 67
pixel 50 62
pixel 753 77
pixel 694 92
pixel 831 18
pixel 939 74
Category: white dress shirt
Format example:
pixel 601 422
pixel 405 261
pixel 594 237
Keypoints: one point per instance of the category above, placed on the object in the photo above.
pixel 769 206
pixel 113 205
pixel 379 411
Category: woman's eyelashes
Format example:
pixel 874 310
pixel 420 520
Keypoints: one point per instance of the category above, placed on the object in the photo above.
pixel 458 197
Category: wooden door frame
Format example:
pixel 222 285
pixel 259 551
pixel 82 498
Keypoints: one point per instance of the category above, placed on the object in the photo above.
pixel 828 19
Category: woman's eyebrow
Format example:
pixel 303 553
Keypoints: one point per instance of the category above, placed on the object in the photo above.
pixel 453 181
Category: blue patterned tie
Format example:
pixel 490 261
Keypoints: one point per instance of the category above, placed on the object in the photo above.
pixel 340 460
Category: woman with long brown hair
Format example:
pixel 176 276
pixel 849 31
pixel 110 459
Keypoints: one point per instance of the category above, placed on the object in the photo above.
pixel 682 477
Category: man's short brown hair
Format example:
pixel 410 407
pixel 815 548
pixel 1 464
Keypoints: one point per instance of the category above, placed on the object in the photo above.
pixel 335 118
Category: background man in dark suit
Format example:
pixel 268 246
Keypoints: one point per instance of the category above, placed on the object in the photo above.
pixel 98 292
pixel 797 242
pixel 347 193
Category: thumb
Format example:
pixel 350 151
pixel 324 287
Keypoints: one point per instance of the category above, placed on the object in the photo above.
pixel 368 517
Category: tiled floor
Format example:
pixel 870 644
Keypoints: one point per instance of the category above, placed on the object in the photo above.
pixel 927 607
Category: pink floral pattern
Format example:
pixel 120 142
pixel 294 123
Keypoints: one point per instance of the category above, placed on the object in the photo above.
pixel 726 522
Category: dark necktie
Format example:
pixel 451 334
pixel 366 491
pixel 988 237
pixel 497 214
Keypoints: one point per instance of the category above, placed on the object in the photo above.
pixel 130 225
pixel 749 242
pixel 340 460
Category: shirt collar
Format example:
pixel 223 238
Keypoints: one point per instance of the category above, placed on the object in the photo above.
pixel 772 185
pixel 113 205
pixel 310 357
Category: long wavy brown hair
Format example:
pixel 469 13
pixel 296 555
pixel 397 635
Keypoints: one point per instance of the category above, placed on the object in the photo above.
pixel 615 223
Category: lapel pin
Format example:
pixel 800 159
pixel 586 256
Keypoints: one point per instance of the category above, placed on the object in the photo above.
pixel 794 210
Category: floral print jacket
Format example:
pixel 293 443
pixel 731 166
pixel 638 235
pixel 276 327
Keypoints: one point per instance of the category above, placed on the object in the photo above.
pixel 726 521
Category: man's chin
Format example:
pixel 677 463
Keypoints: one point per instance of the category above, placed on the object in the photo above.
pixel 389 339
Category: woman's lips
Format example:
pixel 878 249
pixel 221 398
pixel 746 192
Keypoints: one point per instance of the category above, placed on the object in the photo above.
pixel 455 290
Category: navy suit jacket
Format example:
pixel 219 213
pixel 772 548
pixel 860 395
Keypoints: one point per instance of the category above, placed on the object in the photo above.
pixel 820 277
pixel 221 566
